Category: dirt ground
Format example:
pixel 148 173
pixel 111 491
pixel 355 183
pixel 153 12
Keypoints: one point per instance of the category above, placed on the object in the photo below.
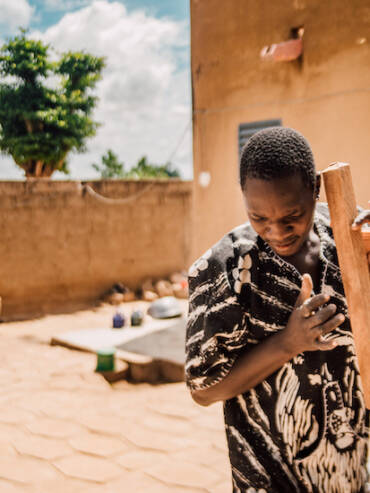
pixel 63 428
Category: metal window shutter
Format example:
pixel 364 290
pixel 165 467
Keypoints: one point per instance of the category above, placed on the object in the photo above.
pixel 246 130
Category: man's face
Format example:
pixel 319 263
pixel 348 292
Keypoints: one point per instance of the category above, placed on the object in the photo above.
pixel 281 212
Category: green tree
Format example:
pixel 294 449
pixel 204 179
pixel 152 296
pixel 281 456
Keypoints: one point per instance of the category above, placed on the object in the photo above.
pixel 110 167
pixel 145 170
pixel 41 124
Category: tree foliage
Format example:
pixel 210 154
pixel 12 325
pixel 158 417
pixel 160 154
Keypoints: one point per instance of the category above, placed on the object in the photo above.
pixel 144 169
pixel 41 124
pixel 112 168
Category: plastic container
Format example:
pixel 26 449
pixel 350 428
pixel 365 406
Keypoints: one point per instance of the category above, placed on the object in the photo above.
pixel 105 359
pixel 118 320
pixel 137 318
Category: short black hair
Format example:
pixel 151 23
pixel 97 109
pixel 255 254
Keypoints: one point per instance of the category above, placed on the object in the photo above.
pixel 277 152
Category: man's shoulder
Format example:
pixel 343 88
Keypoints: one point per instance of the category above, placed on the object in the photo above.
pixel 322 210
pixel 225 253
pixel 322 217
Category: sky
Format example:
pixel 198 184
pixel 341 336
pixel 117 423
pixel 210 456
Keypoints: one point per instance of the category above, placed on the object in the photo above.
pixel 144 95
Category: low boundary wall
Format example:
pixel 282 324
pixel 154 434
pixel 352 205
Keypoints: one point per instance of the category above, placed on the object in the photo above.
pixel 64 243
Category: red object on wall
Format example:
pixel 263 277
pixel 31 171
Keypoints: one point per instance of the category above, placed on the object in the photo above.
pixel 283 52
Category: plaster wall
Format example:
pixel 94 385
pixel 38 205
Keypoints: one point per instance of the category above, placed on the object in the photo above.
pixel 62 247
pixel 325 95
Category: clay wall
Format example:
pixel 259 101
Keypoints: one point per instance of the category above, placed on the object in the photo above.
pixel 62 246
pixel 325 95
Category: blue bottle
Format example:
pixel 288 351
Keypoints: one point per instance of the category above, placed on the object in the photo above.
pixel 118 320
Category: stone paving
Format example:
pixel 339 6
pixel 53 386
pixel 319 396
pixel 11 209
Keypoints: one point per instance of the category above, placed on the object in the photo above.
pixel 63 428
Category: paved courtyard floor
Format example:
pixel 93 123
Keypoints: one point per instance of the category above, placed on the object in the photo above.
pixel 64 429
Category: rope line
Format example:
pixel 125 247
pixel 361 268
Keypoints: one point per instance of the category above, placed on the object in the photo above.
pixel 108 200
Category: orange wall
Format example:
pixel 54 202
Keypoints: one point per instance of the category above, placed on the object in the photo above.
pixel 62 248
pixel 326 96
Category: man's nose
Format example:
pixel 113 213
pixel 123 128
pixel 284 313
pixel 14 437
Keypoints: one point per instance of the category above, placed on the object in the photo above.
pixel 278 231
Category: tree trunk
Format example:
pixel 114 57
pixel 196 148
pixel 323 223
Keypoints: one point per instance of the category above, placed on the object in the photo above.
pixel 37 169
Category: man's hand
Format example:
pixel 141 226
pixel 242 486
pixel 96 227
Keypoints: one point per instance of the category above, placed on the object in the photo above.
pixel 310 321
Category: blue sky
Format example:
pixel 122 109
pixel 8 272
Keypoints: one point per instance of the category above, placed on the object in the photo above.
pixel 48 14
pixel 144 95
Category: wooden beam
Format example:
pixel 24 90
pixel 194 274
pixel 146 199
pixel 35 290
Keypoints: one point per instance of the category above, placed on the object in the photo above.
pixel 366 239
pixel 352 261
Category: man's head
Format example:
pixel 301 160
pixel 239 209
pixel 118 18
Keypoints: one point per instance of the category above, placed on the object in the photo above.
pixel 277 152
pixel 279 184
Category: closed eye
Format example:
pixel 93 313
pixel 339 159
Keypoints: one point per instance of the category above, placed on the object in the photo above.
pixel 287 219
pixel 293 218
pixel 258 219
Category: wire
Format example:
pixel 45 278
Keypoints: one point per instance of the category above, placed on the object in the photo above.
pixel 180 141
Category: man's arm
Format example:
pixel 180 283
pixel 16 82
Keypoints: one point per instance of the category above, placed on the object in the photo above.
pixel 248 371
pixel 307 324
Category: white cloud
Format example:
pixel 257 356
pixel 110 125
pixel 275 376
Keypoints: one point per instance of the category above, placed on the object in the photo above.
pixel 14 14
pixel 144 97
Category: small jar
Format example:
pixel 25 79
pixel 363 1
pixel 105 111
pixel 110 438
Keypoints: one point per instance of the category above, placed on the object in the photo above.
pixel 118 320
pixel 137 318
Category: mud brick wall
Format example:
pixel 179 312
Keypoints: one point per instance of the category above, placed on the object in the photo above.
pixel 324 94
pixel 62 245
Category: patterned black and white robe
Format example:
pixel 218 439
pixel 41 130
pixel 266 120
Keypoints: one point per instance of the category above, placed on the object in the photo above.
pixel 305 428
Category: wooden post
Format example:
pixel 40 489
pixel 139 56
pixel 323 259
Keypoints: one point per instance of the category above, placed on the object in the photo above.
pixel 352 261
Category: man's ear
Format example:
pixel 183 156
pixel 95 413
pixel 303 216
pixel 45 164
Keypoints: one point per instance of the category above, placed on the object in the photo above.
pixel 318 185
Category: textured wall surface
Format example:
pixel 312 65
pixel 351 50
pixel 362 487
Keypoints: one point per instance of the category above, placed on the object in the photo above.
pixel 62 246
pixel 325 95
